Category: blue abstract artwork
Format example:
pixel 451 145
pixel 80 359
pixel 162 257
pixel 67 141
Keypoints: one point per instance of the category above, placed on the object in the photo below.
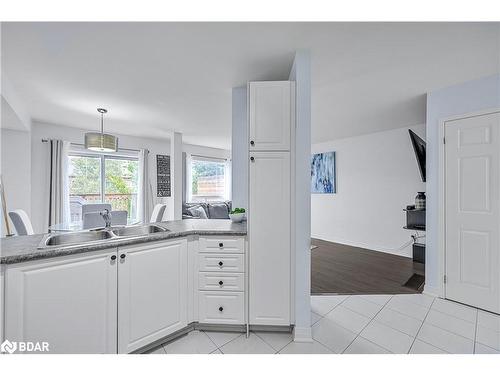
pixel 323 173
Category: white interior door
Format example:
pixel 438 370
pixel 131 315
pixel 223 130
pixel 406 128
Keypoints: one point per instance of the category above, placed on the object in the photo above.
pixel 472 211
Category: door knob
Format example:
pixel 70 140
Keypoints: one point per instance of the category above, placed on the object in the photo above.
pixel 221 308
pixel 252 158
pixel 221 282
pixel 122 256
pixel 252 143
pixel 220 264
pixel 113 257
pixel 221 244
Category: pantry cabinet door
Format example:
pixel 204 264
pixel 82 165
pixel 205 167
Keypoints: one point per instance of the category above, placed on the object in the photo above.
pixel 270 113
pixel 269 238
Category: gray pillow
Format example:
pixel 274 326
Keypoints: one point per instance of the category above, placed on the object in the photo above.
pixel 198 212
pixel 218 211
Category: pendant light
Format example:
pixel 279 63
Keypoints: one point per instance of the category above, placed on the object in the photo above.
pixel 101 141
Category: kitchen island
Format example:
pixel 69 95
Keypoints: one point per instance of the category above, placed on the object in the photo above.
pixel 127 293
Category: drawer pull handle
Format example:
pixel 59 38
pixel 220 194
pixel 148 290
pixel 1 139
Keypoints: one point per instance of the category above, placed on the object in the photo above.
pixel 123 256
pixel 221 282
pixel 221 308
pixel 221 244
pixel 252 143
pixel 113 257
pixel 220 263
pixel 252 158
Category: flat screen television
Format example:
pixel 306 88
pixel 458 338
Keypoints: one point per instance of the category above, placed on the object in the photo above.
pixel 419 148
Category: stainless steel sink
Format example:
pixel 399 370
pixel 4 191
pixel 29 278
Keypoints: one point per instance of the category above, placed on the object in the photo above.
pixel 77 238
pixel 138 230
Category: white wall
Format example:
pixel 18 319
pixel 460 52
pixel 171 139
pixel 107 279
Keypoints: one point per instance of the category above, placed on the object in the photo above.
pixel 16 170
pixel 301 74
pixel 472 96
pixel 239 147
pixel 377 176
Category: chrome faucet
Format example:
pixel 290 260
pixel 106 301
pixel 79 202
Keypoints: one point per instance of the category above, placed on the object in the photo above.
pixel 106 215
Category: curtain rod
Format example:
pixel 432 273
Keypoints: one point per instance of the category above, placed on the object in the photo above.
pixel 45 140
pixel 208 157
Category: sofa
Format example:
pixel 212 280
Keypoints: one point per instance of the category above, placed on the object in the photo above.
pixel 212 210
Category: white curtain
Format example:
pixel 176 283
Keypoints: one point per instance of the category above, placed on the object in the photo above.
pixel 144 198
pixel 59 211
pixel 227 180
pixel 189 178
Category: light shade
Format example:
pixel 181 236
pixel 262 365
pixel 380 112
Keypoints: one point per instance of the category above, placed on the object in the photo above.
pixel 101 142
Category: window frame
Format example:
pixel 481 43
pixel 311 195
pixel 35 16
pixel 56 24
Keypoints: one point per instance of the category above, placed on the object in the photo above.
pixel 77 150
pixel 208 159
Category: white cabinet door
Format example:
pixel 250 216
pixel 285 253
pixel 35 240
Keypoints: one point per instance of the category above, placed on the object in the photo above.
pixel 270 113
pixel 152 292
pixel 69 302
pixel 269 238
pixel 473 211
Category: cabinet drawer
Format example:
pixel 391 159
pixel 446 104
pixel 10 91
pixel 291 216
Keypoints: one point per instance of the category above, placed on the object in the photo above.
pixel 221 262
pixel 222 307
pixel 222 245
pixel 234 282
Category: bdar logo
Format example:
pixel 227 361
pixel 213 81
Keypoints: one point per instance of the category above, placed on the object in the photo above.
pixel 8 347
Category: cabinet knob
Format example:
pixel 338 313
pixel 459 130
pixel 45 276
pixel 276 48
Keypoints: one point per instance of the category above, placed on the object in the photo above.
pixel 113 257
pixel 220 263
pixel 252 143
pixel 221 308
pixel 221 282
pixel 221 244
pixel 252 158
pixel 122 256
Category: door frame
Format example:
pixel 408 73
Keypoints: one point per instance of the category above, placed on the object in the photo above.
pixel 441 292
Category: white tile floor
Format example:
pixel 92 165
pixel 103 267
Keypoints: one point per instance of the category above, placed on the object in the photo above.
pixel 365 324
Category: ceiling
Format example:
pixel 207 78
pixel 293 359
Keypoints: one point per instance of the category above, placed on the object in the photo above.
pixel 160 77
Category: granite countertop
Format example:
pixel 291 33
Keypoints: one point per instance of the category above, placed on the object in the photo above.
pixel 25 248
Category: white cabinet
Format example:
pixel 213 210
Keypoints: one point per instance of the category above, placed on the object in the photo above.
pixel 221 280
pixel 222 307
pixel 152 292
pixel 269 238
pixel 269 115
pixel 69 302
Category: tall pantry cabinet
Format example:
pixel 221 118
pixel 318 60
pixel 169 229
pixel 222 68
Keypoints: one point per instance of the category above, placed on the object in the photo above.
pixel 270 119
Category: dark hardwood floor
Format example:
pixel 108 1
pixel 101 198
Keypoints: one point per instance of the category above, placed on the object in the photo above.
pixel 342 269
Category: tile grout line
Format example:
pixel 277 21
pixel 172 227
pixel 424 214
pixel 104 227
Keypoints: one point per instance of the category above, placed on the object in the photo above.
pixel 357 335
pixel 216 346
pixel 423 321
pixel 272 347
pixel 475 333
pixel 220 347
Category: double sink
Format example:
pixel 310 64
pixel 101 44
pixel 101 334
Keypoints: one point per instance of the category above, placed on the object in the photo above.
pixel 99 235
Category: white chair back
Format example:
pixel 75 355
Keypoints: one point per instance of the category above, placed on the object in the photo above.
pixel 94 220
pixel 95 207
pixel 118 217
pixel 21 222
pixel 158 212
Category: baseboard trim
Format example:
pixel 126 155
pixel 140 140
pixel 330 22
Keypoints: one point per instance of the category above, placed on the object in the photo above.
pixel 302 334
pixel 399 252
pixel 433 292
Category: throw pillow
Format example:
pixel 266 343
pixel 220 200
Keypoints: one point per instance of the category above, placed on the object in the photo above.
pixel 198 212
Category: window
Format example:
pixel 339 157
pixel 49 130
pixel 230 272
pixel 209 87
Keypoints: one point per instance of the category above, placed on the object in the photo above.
pixel 208 180
pixel 97 178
